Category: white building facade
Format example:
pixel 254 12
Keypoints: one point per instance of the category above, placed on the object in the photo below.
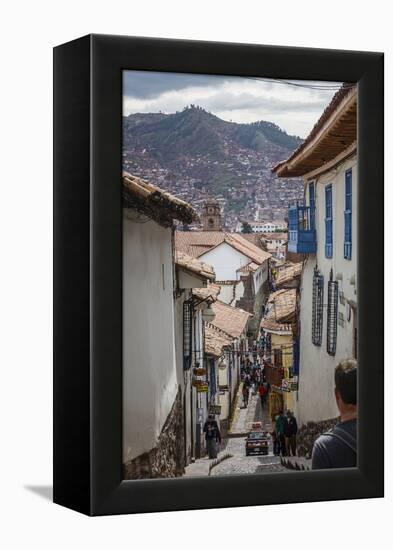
pixel 324 229
pixel 153 386
pixel 321 348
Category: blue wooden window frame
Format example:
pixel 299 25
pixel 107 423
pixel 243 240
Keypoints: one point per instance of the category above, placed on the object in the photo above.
pixel 311 200
pixel 329 221
pixel 348 215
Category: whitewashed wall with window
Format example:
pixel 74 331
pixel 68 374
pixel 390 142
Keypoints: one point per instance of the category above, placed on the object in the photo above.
pixel 316 378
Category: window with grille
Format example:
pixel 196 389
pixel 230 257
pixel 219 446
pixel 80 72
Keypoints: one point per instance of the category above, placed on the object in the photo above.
pixel 332 314
pixel 212 380
pixel 328 221
pixel 187 334
pixel 348 215
pixel 317 308
pixel 278 358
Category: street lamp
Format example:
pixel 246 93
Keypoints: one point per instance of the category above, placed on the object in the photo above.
pixel 208 315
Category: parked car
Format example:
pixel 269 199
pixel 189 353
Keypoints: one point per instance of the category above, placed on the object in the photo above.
pixel 257 442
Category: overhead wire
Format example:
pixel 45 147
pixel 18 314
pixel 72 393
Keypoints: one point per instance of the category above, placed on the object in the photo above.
pixel 320 87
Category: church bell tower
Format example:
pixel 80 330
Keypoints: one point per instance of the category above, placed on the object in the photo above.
pixel 211 216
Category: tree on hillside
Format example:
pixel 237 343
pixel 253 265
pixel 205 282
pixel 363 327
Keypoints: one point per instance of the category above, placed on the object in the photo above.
pixel 246 227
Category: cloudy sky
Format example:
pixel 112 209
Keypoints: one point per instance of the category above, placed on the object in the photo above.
pixel 295 108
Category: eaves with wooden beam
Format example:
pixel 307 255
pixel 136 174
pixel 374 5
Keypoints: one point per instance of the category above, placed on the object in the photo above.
pixel 333 135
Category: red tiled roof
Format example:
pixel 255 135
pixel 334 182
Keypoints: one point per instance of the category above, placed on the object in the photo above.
pixel 155 203
pixel 215 340
pixel 231 320
pixel 196 243
pixel 195 266
pixel 288 273
pixel 209 293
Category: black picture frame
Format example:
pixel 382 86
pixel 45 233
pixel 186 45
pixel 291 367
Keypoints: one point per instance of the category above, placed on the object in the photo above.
pixel 88 274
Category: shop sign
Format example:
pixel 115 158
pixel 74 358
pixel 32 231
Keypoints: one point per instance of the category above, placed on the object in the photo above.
pixel 202 387
pixel 200 371
pixel 285 384
pixel 215 409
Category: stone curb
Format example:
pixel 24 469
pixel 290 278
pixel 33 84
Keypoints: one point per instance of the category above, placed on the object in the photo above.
pixel 293 465
pixel 218 460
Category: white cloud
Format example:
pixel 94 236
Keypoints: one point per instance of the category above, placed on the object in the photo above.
pixel 294 109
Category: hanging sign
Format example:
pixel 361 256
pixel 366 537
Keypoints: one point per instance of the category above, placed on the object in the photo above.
pixel 285 384
pixel 200 371
pixel 202 387
pixel 215 409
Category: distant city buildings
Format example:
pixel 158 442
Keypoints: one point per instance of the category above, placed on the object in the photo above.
pixel 263 227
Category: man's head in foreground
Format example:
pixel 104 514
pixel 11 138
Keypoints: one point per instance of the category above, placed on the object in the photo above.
pixel 345 378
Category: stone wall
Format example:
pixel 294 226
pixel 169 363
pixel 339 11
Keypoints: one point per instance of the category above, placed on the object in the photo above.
pixel 167 458
pixel 309 432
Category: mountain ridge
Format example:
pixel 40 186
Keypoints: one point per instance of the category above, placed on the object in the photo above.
pixel 192 152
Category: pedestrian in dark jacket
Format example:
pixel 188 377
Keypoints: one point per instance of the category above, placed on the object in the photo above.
pixel 290 431
pixel 212 436
pixel 245 394
pixel 280 431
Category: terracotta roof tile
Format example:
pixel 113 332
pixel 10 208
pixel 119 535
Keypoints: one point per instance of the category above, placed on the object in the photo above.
pixel 215 341
pixel 288 273
pixel 270 324
pixel 231 320
pixel 252 266
pixel 274 236
pixel 282 306
pixel 195 266
pixel 196 243
pixel 211 292
pixel 156 203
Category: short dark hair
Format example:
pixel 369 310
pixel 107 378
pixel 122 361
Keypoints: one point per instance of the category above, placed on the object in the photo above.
pixel 345 378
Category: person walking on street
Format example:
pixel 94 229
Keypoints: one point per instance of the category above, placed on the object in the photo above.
pixel 338 447
pixel 245 393
pixel 290 434
pixel 262 395
pixel 212 436
pixel 280 427
pixel 247 380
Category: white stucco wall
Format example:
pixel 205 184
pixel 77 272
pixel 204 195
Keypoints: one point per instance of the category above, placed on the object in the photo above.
pixel 225 261
pixel 260 276
pixel 226 293
pixel 149 369
pixel 316 378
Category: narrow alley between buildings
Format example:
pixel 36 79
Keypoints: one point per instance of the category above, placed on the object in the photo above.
pixel 232 458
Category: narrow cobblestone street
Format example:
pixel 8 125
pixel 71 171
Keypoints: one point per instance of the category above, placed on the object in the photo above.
pixel 239 463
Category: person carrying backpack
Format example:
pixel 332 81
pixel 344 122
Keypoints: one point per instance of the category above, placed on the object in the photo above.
pixel 338 447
